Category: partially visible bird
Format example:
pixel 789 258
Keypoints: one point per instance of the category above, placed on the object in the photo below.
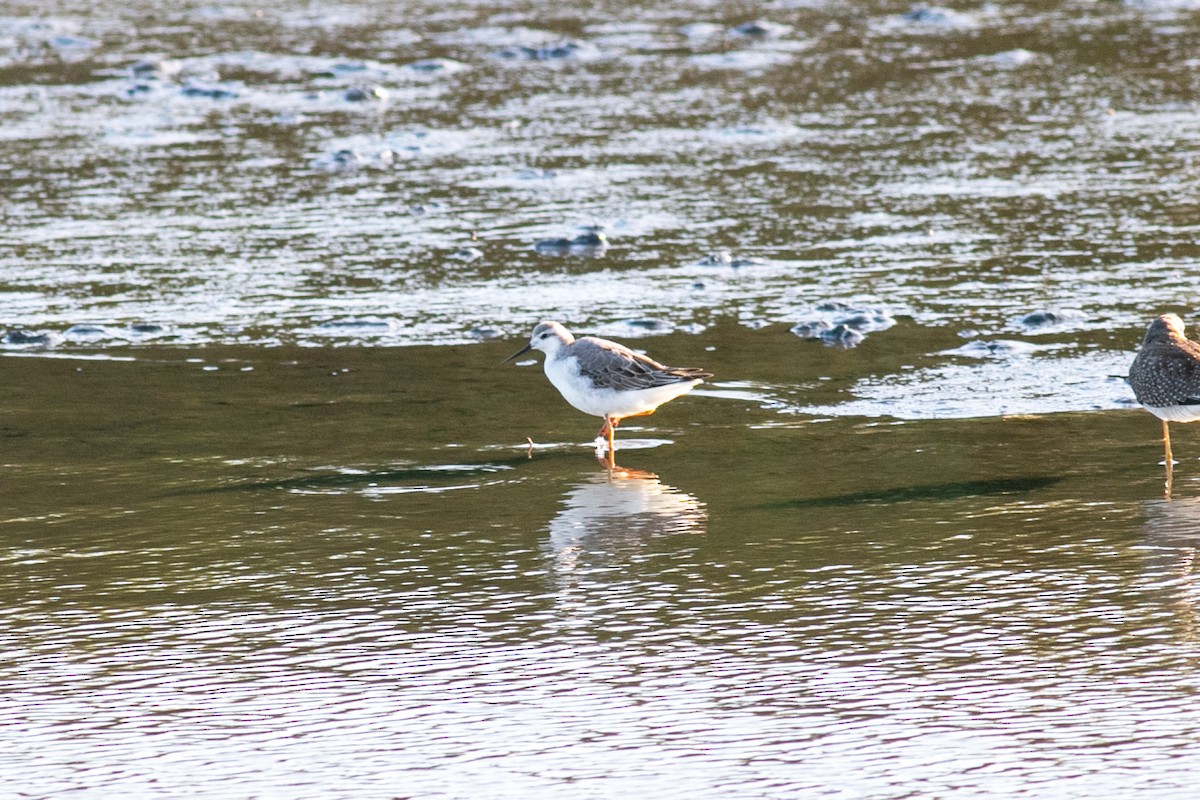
pixel 606 379
pixel 1165 376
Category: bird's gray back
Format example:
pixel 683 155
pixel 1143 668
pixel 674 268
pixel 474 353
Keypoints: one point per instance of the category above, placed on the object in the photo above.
pixel 613 366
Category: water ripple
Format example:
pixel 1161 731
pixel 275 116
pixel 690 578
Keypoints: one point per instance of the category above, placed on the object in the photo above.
pixel 292 589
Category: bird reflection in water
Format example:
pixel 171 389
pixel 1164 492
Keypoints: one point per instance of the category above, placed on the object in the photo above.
pixel 614 513
pixel 1172 539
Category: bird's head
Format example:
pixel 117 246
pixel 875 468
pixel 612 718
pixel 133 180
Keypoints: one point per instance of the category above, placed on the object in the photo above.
pixel 1164 329
pixel 547 337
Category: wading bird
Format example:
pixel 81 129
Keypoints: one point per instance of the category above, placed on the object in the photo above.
pixel 1165 377
pixel 606 379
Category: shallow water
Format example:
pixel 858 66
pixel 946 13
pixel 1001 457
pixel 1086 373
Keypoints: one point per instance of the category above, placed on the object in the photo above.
pixel 325 576
pixel 271 524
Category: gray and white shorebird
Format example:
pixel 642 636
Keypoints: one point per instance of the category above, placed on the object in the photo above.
pixel 606 379
pixel 1165 376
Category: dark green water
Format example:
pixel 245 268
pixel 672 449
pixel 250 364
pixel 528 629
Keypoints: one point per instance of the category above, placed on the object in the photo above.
pixel 336 572
pixel 270 524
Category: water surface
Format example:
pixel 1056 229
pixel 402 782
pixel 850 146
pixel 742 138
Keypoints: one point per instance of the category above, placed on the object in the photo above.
pixel 272 523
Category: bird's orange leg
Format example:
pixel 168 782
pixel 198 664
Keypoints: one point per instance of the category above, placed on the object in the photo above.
pixel 610 426
pixel 1170 462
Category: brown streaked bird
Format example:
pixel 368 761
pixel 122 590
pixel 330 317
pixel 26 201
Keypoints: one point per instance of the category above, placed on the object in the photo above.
pixel 1165 376
pixel 606 379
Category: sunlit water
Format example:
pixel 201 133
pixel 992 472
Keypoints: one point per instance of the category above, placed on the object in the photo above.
pixel 276 521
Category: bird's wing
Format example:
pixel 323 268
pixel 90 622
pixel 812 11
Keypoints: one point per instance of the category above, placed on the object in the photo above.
pixel 1167 374
pixel 612 365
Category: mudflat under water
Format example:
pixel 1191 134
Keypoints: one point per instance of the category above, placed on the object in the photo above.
pixel 271 526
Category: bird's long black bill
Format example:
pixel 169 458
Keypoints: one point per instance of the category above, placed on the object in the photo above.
pixel 520 352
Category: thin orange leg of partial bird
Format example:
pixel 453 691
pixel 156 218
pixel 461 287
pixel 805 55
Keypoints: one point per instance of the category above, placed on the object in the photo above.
pixel 1170 462
pixel 612 431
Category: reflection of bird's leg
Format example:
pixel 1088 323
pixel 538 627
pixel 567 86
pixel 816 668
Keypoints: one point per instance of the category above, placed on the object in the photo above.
pixel 612 471
pixel 1170 462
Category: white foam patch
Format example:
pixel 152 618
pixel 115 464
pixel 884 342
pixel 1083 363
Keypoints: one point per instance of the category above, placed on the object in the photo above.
pixel 749 60
pixel 1030 383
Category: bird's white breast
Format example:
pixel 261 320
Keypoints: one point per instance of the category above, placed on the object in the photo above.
pixel 578 390
pixel 1175 413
